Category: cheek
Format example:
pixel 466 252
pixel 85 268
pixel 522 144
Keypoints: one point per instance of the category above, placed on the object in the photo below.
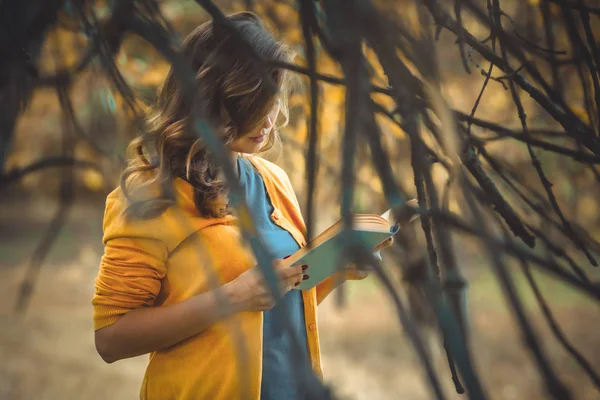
pixel 254 132
pixel 235 145
pixel 244 145
pixel 275 115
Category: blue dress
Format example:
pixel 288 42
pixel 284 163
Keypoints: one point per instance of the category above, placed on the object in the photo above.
pixel 284 367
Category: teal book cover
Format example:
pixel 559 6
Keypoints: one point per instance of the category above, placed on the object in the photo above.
pixel 324 255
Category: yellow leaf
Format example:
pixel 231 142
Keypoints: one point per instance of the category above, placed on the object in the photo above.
pixel 93 180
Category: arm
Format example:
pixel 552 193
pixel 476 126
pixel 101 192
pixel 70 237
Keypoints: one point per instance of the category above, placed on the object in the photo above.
pixel 140 328
pixel 150 329
pixel 132 269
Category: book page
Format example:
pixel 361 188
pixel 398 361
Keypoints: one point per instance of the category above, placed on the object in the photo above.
pixel 388 216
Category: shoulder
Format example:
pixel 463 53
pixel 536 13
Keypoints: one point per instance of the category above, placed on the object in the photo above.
pixel 267 167
pixel 117 224
pixel 266 164
pixel 164 229
pixel 276 180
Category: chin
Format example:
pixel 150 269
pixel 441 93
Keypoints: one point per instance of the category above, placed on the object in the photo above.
pixel 246 146
pixel 252 148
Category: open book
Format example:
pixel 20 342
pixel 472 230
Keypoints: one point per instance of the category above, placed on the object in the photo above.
pixel 324 253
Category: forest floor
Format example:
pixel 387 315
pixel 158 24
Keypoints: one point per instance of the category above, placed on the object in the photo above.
pixel 48 353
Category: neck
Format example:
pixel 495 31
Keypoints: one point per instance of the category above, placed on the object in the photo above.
pixel 233 156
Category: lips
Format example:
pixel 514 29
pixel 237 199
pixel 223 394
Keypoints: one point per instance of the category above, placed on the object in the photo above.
pixel 258 139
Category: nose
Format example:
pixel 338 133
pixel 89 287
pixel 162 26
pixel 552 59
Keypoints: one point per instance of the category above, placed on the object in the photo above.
pixel 268 123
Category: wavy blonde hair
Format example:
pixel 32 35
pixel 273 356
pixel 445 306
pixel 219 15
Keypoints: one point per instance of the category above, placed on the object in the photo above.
pixel 234 97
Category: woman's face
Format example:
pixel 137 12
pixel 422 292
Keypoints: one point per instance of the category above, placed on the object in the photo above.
pixel 254 141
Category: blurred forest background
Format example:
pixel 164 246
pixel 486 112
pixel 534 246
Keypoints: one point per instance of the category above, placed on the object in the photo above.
pixel 46 344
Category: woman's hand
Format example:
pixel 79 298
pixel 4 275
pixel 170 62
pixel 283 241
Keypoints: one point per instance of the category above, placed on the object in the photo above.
pixel 383 245
pixel 148 329
pixel 250 291
pixel 351 271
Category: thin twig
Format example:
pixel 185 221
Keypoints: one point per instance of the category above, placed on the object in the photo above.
pixel 461 40
pixel 534 159
pixel 312 166
pixel 558 333
pixel 67 196
pixel 50 162
pixel 554 386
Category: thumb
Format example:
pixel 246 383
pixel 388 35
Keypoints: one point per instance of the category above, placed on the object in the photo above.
pixel 377 255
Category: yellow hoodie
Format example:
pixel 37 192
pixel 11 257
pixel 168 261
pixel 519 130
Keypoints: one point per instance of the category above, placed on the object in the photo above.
pixel 179 254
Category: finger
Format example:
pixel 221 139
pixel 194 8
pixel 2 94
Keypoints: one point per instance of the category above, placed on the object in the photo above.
pixel 356 274
pixel 295 285
pixel 294 280
pixel 351 268
pixel 386 243
pixel 285 285
pixel 293 270
pixel 268 303
pixel 302 277
pixel 280 264
pixel 287 288
pixel 290 280
pixel 361 274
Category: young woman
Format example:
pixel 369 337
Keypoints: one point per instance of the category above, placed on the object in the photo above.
pixel 173 252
